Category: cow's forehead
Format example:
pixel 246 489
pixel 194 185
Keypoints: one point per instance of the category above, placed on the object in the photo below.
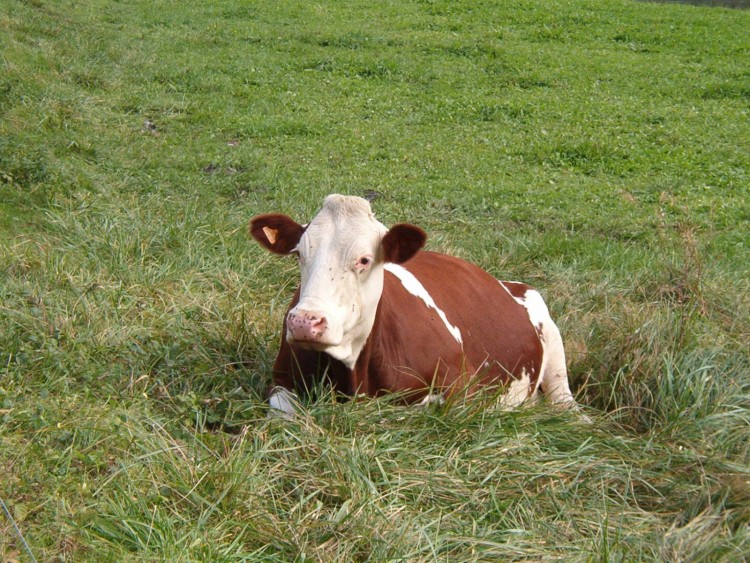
pixel 347 205
pixel 343 221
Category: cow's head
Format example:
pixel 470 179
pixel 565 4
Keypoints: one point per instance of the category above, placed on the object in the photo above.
pixel 341 255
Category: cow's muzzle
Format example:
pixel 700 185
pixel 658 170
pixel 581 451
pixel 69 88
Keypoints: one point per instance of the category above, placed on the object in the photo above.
pixel 307 327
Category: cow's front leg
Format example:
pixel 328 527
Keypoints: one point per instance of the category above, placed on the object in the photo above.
pixel 282 403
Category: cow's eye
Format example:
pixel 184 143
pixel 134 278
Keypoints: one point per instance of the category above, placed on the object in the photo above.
pixel 363 263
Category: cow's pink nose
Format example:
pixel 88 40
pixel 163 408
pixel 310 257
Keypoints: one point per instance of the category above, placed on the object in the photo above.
pixel 306 326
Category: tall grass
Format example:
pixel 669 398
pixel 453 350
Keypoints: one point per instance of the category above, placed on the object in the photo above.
pixel 599 150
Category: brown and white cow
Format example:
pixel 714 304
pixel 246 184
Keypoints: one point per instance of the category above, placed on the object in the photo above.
pixel 374 314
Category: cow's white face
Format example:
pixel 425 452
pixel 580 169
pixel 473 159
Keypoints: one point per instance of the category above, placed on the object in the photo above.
pixel 342 279
pixel 341 253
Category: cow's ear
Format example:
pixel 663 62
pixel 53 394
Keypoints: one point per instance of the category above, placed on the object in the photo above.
pixel 278 233
pixel 402 242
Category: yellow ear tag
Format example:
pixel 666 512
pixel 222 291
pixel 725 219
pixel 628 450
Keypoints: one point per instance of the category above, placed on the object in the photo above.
pixel 270 234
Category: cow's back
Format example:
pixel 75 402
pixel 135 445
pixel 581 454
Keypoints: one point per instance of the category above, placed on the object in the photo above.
pixel 465 323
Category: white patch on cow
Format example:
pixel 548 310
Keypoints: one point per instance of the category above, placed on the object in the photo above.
pixel 518 391
pixel 553 373
pixel 554 377
pixel 282 403
pixel 536 307
pixel 539 318
pixel 534 304
pixel 415 287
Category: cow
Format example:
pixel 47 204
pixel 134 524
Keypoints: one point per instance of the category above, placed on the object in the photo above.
pixel 374 314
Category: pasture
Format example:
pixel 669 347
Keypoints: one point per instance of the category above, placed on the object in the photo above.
pixel 597 149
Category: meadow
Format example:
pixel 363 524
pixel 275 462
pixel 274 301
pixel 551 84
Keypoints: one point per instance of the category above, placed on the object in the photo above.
pixel 597 149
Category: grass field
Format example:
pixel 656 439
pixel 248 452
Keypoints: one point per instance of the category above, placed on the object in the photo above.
pixel 597 149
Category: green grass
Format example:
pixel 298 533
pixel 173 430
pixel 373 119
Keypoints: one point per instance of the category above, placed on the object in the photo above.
pixel 597 149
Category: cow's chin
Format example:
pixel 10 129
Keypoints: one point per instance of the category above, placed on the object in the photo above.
pixel 341 351
pixel 311 345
